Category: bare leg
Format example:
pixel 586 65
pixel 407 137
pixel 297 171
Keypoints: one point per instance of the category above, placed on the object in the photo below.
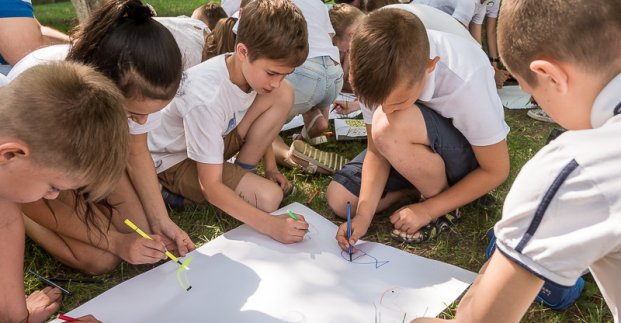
pixel 338 196
pixel 260 192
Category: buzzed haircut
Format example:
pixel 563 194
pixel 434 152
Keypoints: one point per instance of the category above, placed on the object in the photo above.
pixel 389 48
pixel 274 29
pixel 582 32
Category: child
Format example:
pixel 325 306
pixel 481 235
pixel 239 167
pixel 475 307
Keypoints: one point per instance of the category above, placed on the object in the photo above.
pixel 221 39
pixel 119 40
pixel 62 126
pixel 236 103
pixel 317 83
pixel 562 214
pixel 395 62
pixel 189 34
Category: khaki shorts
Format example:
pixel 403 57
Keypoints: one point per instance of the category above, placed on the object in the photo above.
pixel 182 179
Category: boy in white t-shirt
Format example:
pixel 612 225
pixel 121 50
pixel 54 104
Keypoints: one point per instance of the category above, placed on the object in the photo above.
pixel 563 213
pixel 435 121
pixel 236 103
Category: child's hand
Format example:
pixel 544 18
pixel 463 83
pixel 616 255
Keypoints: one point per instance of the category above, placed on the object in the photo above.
pixel 346 107
pixel 500 77
pixel 278 178
pixel 359 227
pixel 410 218
pixel 175 239
pixel 137 250
pixel 287 230
pixel 43 303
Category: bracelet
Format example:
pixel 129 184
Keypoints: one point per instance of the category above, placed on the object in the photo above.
pixel 494 59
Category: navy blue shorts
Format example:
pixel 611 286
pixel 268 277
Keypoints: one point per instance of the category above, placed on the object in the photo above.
pixel 444 139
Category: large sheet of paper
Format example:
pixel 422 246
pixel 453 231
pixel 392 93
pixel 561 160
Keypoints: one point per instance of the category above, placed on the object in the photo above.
pixel 513 97
pixel 244 276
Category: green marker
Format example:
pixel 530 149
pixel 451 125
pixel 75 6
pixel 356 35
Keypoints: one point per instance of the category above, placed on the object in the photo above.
pixel 292 215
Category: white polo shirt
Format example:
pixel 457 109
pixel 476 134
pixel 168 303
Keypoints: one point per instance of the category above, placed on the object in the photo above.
pixel 435 19
pixel 563 213
pixel 57 53
pixel 462 88
pixel 194 124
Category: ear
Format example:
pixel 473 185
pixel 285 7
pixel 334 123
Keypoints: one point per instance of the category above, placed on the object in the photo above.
pixel 431 65
pixel 242 51
pixel 551 74
pixel 10 151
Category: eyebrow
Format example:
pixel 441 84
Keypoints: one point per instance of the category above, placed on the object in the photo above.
pixel 274 72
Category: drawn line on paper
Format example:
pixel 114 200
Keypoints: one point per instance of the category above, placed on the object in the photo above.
pixel 363 258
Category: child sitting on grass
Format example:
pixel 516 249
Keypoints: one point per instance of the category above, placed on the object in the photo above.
pixel 62 127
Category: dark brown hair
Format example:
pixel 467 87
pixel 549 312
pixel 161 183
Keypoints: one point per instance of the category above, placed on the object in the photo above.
pixel 389 47
pixel 342 16
pixel 274 29
pixel 582 32
pixel 126 44
pixel 371 5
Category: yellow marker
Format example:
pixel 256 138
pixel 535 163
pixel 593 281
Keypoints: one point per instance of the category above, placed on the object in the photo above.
pixel 146 236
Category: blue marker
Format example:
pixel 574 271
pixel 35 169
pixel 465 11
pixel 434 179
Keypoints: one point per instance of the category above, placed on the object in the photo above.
pixel 349 228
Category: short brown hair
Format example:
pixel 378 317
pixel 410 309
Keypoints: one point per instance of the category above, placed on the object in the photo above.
pixel 72 119
pixel 209 13
pixel 274 29
pixel 342 16
pixel 390 47
pixel 582 32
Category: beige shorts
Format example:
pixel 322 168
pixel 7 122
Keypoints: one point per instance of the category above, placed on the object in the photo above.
pixel 182 179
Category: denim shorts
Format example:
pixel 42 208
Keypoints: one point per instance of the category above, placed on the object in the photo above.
pixel 444 139
pixel 317 82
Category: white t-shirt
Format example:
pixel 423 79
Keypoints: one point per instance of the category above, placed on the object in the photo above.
pixel 320 29
pixel 59 53
pixel 190 36
pixel 462 10
pixel 208 107
pixel 462 88
pixel 563 213
pixel 230 6
pixel 435 19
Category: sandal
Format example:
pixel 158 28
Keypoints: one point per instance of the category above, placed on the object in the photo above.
pixel 174 201
pixel 430 231
pixel 326 162
pixel 304 134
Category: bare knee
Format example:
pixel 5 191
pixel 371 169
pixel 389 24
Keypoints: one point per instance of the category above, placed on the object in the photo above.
pixel 97 264
pixel 269 197
pixel 338 196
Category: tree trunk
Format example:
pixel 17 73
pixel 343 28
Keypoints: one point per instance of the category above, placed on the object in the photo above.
pixel 84 8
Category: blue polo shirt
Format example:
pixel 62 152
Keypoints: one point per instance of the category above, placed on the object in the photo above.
pixel 13 9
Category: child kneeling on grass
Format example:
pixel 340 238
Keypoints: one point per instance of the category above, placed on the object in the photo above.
pixel 62 127
pixel 562 215
pixel 236 104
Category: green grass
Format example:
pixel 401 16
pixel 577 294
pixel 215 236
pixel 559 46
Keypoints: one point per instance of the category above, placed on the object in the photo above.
pixel 463 245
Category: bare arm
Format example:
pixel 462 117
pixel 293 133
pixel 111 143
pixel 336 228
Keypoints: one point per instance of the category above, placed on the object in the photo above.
pixel 280 228
pixel 475 31
pixel 492 46
pixel 18 37
pixel 144 180
pixel 375 170
pixel 12 300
